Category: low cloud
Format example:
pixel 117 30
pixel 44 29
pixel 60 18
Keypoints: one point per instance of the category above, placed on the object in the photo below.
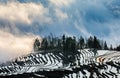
pixel 12 46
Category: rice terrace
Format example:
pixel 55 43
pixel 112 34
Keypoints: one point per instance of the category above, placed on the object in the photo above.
pixel 59 38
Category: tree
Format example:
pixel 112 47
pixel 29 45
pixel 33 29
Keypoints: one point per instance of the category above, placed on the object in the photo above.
pixel 63 42
pixel 44 44
pixel 73 44
pixel 36 44
pixel 59 44
pixel 96 43
pixel 111 48
pixel 105 46
pixel 68 44
pixel 82 43
pixel 90 42
pixel 118 48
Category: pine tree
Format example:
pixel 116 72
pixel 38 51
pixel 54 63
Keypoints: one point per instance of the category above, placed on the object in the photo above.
pixel 90 42
pixel 73 45
pixel 96 43
pixel 36 44
pixel 105 46
pixel 111 48
pixel 44 44
pixel 118 48
pixel 63 43
pixel 82 43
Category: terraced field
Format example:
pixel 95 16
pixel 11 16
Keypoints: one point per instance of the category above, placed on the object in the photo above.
pixel 51 64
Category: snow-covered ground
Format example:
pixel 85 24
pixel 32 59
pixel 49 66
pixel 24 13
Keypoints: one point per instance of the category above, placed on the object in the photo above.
pixel 102 52
pixel 84 60
pixel 106 55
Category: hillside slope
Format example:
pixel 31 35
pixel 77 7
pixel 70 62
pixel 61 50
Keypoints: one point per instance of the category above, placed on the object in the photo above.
pixel 54 64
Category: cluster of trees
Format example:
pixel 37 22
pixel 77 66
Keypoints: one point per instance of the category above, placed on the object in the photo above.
pixel 69 43
pixel 117 48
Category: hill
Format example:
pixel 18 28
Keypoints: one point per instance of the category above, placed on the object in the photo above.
pixel 54 64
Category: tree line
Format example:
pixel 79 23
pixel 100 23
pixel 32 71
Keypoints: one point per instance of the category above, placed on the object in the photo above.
pixel 70 44
pixel 117 48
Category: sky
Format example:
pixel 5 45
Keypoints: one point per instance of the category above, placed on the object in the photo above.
pixel 21 21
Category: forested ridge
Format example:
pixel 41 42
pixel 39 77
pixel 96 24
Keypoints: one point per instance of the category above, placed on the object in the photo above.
pixel 70 44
